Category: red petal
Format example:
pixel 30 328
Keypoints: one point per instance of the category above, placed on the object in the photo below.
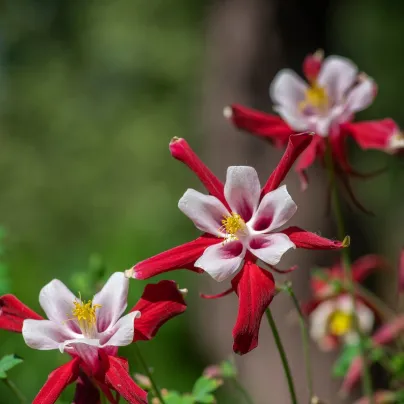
pixel 312 65
pixel 365 265
pixel 271 126
pixel 183 256
pixel 315 149
pixel 401 272
pixel 296 145
pixel 308 307
pixel 13 313
pixel 86 392
pixel 117 376
pixel 372 134
pixel 255 289
pixel 353 375
pixel 57 381
pixel 311 241
pixel 159 303
pixel 181 151
pixel 217 296
pixel 388 332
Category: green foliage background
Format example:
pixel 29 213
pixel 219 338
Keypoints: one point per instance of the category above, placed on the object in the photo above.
pixel 91 92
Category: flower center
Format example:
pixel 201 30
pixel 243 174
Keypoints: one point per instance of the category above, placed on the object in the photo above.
pixel 231 225
pixel 86 317
pixel 315 97
pixel 340 323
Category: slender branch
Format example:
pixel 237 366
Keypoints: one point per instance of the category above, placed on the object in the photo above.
pixel 146 369
pixel 283 356
pixel 11 385
pixel 243 391
pixel 346 261
pixel 305 339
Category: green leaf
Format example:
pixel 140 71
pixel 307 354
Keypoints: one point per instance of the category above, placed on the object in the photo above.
pixel 172 397
pixel 202 389
pixel 8 362
pixel 341 365
pixel 228 369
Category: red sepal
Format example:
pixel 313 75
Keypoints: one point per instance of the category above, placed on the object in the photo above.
pixel 183 256
pixel 13 313
pixel 57 381
pixel 159 303
pixel 218 295
pixel 312 65
pixel 310 241
pixel 182 151
pixel 255 289
pixel 365 265
pixel 296 145
pixel 117 377
pixel 86 392
pixel 259 123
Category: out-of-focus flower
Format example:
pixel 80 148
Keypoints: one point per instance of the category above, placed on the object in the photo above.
pixel 238 220
pixel 331 312
pixel 401 272
pixel 383 336
pixel 380 397
pixel 91 333
pixel 326 105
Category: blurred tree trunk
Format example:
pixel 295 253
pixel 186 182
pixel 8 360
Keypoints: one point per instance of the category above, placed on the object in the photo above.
pixel 247 42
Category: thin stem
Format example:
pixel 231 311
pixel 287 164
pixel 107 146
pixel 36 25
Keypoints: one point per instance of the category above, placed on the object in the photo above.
pixel 305 339
pixel 15 390
pixel 243 391
pixel 346 262
pixel 283 356
pixel 103 398
pixel 146 369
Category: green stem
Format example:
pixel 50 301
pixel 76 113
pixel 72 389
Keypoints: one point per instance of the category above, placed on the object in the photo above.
pixel 283 356
pixel 243 391
pixel 305 339
pixel 15 390
pixel 146 369
pixel 346 262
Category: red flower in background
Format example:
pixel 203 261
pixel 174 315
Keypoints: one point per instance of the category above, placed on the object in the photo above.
pixel 238 220
pixel 331 312
pixel 326 104
pixel 91 333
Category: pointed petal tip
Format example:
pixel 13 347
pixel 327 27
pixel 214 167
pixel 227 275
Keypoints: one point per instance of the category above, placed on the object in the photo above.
pixel 175 139
pixel 228 112
pixel 346 242
pixel 130 273
pixel 183 291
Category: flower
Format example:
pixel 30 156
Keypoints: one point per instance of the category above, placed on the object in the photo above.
pixel 91 332
pixel 326 104
pixel 240 224
pixel 379 397
pixel 331 311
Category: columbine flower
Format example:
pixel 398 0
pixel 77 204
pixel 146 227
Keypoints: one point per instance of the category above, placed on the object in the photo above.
pixel 380 397
pixel 331 312
pixel 326 104
pixel 241 225
pixel 91 332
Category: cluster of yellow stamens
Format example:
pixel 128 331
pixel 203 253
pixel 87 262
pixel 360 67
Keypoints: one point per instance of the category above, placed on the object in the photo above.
pixel 340 323
pixel 315 97
pixel 231 225
pixel 86 316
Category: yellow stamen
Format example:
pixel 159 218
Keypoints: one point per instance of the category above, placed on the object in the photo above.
pixel 315 97
pixel 86 316
pixel 232 224
pixel 340 323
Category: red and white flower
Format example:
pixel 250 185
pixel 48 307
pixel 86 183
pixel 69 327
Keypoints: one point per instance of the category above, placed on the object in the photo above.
pixel 91 333
pixel 241 222
pixel 325 104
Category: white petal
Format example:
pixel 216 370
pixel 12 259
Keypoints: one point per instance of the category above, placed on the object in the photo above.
pixel 319 319
pixel 293 117
pixel 113 300
pixel 57 302
pixel 222 260
pixel 337 75
pixel 206 211
pixel 287 89
pixel 122 332
pixel 270 247
pixel 44 334
pixel 86 349
pixel 242 190
pixel 275 209
pixel 361 96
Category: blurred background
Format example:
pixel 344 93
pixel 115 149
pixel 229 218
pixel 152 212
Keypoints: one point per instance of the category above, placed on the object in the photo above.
pixel 92 91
